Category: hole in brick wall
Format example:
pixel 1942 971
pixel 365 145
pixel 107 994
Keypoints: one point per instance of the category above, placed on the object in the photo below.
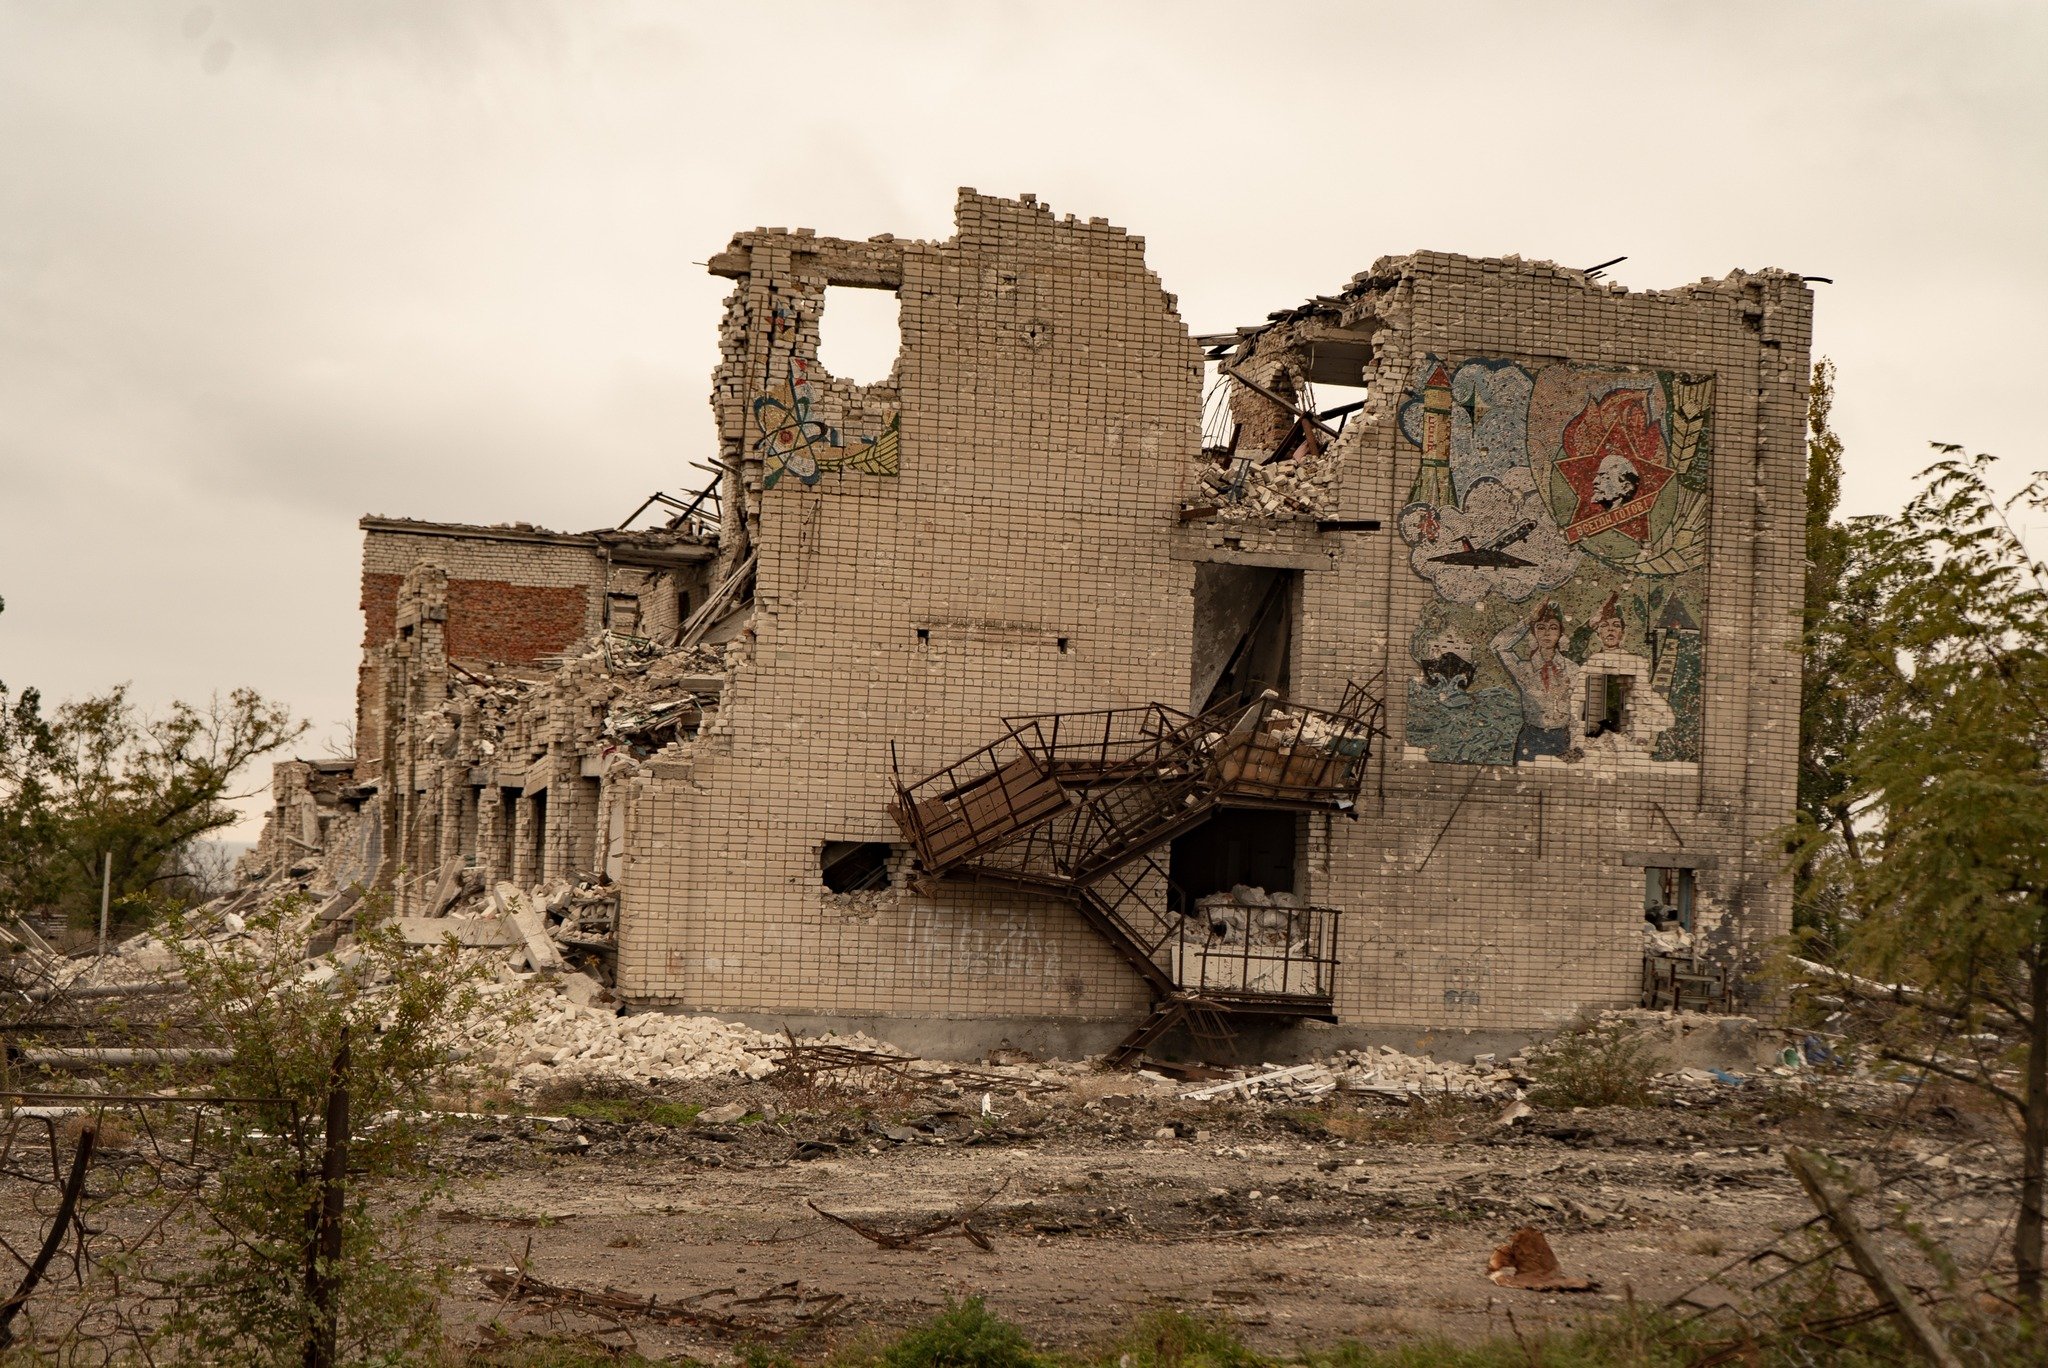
pixel 1607 702
pixel 1244 625
pixel 1063 645
pixel 851 866
pixel 924 634
pixel 860 333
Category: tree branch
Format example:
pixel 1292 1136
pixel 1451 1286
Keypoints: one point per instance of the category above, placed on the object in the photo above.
pixel 1900 1057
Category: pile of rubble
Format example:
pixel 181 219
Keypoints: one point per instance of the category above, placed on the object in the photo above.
pixel 1300 487
pixel 544 1012
pixel 1381 1068
pixel 551 1039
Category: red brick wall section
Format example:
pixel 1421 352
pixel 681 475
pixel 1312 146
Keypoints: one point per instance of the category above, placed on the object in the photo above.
pixel 380 607
pixel 516 623
pixel 487 619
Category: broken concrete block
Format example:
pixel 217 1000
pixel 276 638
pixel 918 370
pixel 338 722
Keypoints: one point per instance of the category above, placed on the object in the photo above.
pixel 473 932
pixel 540 951
pixel 585 991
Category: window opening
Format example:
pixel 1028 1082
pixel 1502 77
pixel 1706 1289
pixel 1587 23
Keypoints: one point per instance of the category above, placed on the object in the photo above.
pixel 860 334
pixel 508 813
pixel 1667 897
pixel 854 866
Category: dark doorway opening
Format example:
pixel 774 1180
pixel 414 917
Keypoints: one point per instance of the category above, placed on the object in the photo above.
pixel 508 816
pixel 539 851
pixel 1244 631
pixel 1249 846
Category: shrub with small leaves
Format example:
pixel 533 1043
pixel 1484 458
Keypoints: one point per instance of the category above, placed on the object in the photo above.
pixel 262 1291
pixel 1595 1064
pixel 965 1335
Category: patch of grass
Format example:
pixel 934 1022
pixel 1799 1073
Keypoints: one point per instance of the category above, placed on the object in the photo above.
pixel 549 1351
pixel 1594 1066
pixel 967 1335
pixel 1174 1339
pixel 1634 1338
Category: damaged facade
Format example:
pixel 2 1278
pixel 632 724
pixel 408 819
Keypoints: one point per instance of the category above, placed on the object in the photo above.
pixel 1522 600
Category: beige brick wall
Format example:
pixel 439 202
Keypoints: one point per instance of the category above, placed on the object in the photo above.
pixel 1049 396
pixel 1049 399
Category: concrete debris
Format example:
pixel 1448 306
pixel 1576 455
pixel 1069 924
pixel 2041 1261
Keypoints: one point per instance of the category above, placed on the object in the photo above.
pixel 474 932
pixel 1253 1083
pixel 1383 1069
pixel 1378 1069
pixel 542 1038
pixel 1246 490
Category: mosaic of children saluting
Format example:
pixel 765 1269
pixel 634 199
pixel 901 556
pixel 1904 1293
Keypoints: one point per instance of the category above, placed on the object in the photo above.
pixel 1549 681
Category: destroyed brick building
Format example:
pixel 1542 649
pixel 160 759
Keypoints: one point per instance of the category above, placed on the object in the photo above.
pixel 1420 659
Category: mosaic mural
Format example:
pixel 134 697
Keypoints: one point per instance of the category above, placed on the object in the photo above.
pixel 792 442
pixel 1560 516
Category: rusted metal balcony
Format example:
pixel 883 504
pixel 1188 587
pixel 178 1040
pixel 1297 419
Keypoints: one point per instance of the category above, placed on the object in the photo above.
pixel 1279 754
pixel 979 802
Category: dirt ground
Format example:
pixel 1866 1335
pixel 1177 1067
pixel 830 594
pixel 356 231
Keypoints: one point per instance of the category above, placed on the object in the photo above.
pixel 1360 1218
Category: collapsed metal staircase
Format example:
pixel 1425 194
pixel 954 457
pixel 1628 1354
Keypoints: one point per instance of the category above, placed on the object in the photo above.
pixel 1080 806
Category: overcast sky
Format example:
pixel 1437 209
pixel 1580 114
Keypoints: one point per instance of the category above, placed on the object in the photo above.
pixel 266 267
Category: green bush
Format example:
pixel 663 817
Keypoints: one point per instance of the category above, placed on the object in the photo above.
pixel 1594 1065
pixel 964 1335
pixel 378 1023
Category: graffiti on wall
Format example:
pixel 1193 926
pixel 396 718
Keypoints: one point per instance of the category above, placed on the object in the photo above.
pixel 792 441
pixel 1559 514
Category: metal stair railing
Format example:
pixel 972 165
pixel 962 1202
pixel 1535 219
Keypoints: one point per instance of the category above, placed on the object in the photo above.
pixel 1075 804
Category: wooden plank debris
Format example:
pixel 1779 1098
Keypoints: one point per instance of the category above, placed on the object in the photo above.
pixel 1215 1090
